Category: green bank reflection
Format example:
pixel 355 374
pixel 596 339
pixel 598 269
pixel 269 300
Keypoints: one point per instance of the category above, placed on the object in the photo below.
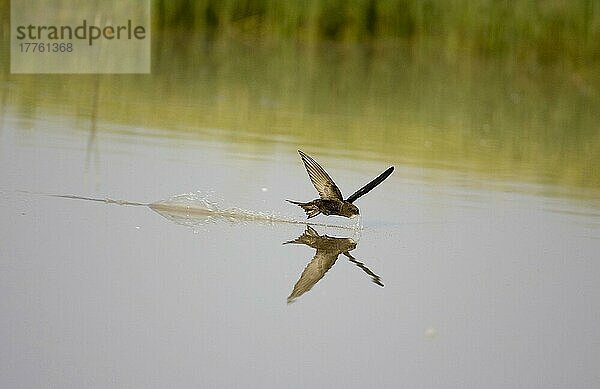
pixel 490 118
pixel 328 249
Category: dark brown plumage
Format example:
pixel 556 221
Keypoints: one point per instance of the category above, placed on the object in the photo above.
pixel 331 201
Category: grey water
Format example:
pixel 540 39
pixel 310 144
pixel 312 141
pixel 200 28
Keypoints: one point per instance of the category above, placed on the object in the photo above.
pixel 163 264
pixel 482 287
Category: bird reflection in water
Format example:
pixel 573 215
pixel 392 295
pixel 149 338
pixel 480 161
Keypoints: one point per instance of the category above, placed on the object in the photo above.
pixel 328 249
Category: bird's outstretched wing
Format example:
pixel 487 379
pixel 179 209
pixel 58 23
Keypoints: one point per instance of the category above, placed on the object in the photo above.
pixel 314 271
pixel 367 188
pixel 327 189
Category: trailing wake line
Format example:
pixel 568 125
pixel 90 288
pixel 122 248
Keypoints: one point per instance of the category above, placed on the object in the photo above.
pixel 193 207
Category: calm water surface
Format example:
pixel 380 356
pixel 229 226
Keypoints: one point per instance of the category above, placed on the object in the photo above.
pixel 490 273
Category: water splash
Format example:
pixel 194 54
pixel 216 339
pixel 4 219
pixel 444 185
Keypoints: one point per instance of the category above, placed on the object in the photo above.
pixel 198 209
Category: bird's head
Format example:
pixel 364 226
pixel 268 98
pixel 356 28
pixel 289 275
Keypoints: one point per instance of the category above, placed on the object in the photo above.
pixel 350 210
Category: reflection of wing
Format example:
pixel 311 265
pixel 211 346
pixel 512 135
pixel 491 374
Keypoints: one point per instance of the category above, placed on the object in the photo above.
pixel 314 271
pixel 320 179
pixel 367 188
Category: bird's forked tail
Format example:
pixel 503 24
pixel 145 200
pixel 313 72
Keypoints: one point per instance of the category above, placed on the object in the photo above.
pixel 310 208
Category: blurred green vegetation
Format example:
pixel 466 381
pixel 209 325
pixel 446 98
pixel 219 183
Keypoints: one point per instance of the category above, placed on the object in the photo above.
pixel 546 30
pixel 501 90
pixel 490 119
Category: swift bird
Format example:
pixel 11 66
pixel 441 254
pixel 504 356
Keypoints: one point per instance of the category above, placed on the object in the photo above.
pixel 331 201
